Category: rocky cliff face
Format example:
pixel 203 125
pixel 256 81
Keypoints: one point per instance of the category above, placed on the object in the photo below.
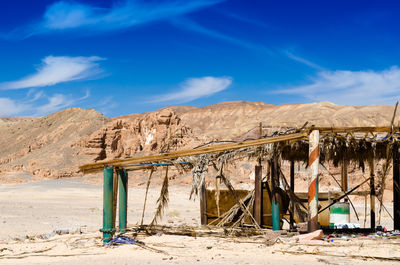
pixel 155 132
pixel 55 145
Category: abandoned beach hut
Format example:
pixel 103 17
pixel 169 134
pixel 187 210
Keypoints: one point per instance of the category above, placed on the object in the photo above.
pixel 273 198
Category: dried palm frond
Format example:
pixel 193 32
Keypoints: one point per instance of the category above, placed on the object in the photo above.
pixel 145 196
pixel 199 170
pixel 182 165
pixel 162 200
pixel 217 189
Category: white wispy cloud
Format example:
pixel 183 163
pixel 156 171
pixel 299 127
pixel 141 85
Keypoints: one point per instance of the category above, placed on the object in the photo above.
pixel 188 24
pixel 351 87
pixel 194 88
pixel 244 19
pixel 38 104
pixel 302 60
pixel 9 107
pixel 54 103
pixel 69 15
pixel 54 70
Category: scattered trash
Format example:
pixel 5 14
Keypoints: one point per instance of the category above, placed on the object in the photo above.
pixel 60 231
pixel 346 226
pixel 123 240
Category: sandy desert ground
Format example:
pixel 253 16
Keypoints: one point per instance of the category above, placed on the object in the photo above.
pixel 31 211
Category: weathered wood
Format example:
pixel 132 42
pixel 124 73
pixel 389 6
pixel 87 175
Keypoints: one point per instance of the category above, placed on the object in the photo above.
pixel 292 188
pixel 372 192
pixel 115 196
pixel 203 205
pixel 344 177
pixel 192 152
pixel 207 231
pixel 217 193
pixel 355 129
pixel 258 195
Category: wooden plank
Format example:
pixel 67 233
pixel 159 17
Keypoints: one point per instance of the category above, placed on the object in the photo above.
pixel 303 195
pixel 372 192
pixel 192 152
pixel 344 177
pixel 356 129
pixel 203 205
pixel 115 196
pixel 292 188
pixel 258 198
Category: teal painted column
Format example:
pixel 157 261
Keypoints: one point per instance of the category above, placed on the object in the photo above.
pixel 107 229
pixel 276 220
pixel 123 199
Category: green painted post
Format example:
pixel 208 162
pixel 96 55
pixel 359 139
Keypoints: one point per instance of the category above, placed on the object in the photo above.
pixel 275 216
pixel 123 199
pixel 108 229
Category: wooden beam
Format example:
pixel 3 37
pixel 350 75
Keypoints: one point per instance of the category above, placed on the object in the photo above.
pixel 344 177
pixel 258 196
pixel 355 129
pixel 203 205
pixel 115 196
pixel 372 192
pixel 292 188
pixel 192 152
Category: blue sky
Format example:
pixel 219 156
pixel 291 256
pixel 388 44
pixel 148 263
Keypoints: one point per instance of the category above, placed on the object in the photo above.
pixel 130 56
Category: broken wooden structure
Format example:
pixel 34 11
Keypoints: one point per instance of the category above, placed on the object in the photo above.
pixel 313 146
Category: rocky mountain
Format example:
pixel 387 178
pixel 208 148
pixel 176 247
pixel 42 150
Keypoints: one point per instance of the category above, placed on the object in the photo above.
pixel 55 145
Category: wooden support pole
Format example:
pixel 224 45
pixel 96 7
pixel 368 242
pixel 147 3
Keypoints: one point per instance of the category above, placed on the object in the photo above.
pixel 115 197
pixel 372 192
pixel 396 187
pixel 260 136
pixel 292 188
pixel 217 193
pixel 203 205
pixel 258 196
pixel 344 175
pixel 313 163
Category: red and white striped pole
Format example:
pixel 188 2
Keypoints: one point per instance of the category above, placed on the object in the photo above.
pixel 313 163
